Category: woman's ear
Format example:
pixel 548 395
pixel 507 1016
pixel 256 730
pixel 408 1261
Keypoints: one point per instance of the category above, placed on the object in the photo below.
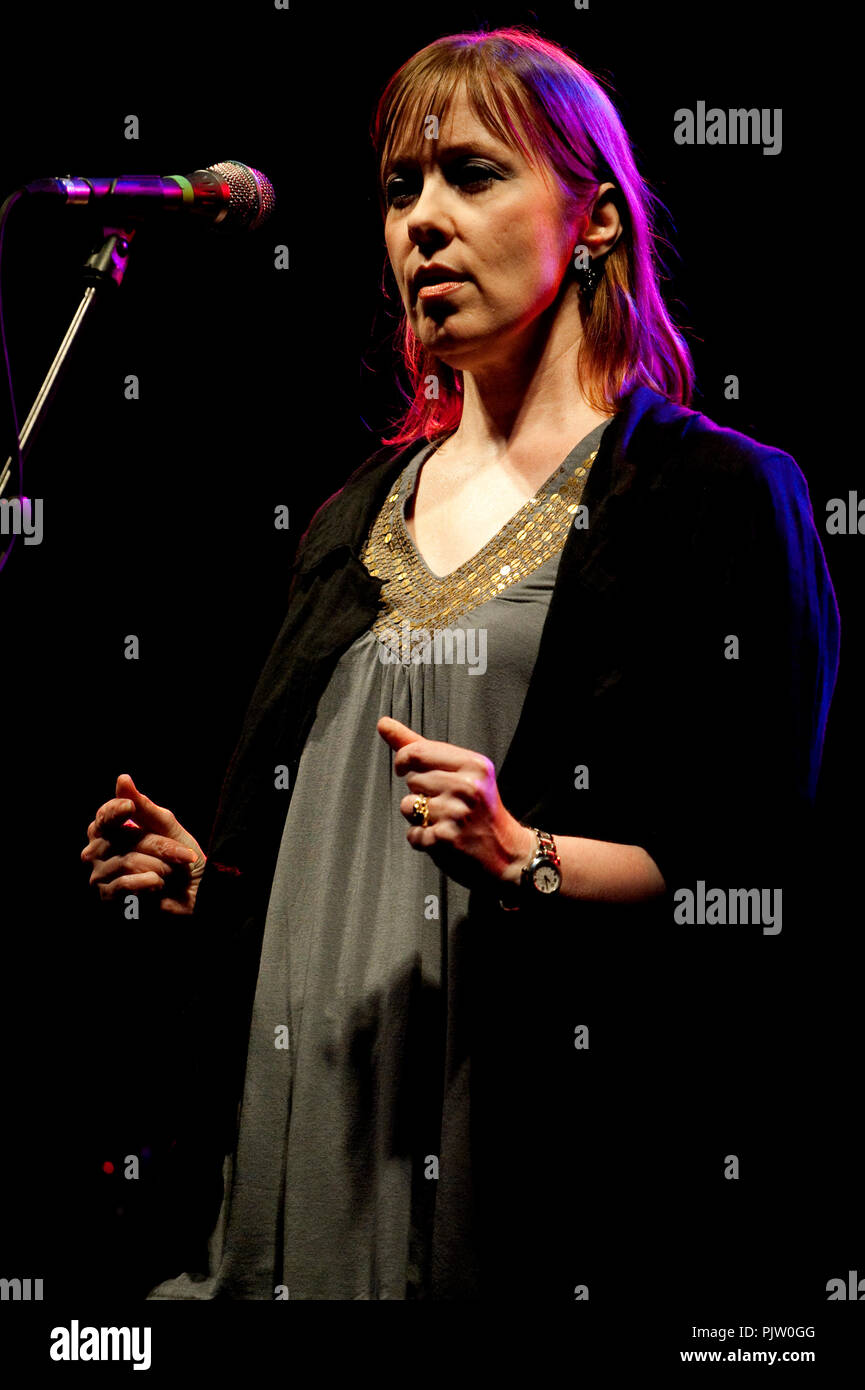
pixel 604 223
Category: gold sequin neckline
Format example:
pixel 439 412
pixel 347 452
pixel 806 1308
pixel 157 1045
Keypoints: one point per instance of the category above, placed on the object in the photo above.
pixel 536 532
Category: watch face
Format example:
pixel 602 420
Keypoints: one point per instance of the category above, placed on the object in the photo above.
pixel 547 878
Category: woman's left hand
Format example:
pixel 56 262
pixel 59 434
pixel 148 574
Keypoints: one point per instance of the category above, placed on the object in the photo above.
pixel 469 834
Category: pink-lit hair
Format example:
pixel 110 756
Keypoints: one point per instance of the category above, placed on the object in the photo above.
pixel 535 96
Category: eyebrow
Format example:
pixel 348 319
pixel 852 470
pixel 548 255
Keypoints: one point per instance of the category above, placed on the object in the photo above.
pixel 404 161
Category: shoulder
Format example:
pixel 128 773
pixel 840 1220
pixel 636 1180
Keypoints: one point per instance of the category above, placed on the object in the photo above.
pixel 683 450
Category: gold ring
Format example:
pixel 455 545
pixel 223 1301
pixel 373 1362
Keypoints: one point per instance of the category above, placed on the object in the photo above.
pixel 420 811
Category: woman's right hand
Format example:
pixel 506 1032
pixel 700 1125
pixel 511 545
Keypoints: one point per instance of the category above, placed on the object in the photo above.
pixel 135 846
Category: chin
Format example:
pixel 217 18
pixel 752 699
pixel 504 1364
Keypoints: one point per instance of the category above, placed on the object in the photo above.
pixel 458 351
pixel 450 356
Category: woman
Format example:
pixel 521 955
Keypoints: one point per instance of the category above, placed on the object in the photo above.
pixel 566 652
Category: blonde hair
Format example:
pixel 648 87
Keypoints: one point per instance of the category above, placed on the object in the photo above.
pixel 521 85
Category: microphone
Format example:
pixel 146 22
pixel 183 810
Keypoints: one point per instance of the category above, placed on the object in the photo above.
pixel 231 195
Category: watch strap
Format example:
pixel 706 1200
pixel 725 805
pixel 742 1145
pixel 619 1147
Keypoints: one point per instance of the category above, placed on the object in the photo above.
pixel 512 895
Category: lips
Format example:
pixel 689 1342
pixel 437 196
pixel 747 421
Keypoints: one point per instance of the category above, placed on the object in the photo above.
pixel 436 274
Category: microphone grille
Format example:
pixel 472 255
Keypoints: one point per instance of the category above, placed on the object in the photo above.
pixel 252 196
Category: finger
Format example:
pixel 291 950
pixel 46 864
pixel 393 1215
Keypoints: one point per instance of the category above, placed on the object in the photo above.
pixel 164 848
pixel 406 806
pixel 148 814
pixel 448 806
pixel 120 864
pixel 131 883
pixel 99 849
pixel 157 845
pixel 111 815
pixel 96 848
pixel 395 733
pixel 429 783
pixel 427 755
pixel 427 836
pixel 175 905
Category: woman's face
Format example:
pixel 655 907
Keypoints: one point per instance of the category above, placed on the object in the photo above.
pixel 474 205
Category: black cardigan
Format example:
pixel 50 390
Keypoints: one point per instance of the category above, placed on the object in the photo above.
pixel 696 533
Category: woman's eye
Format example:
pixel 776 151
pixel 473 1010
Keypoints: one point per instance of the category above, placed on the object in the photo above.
pixel 393 192
pixel 467 176
pixel 480 172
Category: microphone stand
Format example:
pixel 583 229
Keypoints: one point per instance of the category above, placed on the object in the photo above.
pixel 105 265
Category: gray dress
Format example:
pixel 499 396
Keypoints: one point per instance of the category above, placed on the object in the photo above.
pixel 350 1178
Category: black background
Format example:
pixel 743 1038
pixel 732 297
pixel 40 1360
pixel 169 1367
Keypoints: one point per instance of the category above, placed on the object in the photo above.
pixel 260 387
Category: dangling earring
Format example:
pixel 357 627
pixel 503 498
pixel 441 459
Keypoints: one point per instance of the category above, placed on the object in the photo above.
pixel 588 278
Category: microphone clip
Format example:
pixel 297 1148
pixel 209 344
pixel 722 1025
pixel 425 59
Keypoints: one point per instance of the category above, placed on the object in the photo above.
pixel 109 260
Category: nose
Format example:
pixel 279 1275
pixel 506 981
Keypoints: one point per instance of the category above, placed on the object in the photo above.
pixel 427 223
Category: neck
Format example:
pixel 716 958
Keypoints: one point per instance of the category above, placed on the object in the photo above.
pixel 527 399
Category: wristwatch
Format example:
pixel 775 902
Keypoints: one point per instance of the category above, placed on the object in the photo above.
pixel 542 875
